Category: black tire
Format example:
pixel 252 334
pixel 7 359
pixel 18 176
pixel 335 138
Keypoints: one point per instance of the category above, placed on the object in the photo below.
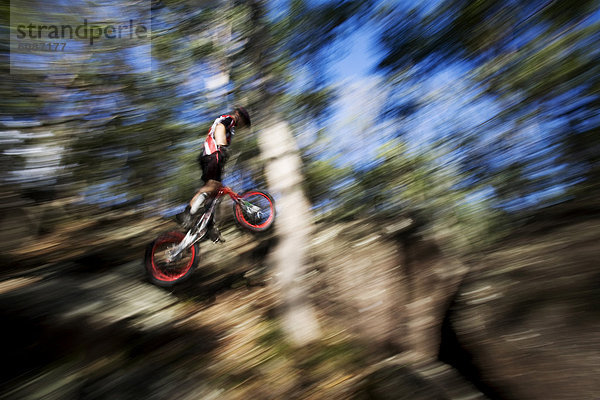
pixel 265 202
pixel 165 274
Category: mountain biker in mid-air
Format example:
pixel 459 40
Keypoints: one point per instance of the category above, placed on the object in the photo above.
pixel 212 159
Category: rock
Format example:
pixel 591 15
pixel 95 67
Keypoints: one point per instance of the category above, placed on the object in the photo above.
pixel 431 280
pixel 391 291
pixel 421 381
pixel 528 317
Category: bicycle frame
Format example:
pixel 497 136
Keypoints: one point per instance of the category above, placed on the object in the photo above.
pixel 198 231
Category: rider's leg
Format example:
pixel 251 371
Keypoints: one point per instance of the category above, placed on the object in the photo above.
pixel 208 190
pixel 211 175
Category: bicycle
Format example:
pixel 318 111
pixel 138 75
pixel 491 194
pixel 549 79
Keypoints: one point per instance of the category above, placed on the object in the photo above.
pixel 172 257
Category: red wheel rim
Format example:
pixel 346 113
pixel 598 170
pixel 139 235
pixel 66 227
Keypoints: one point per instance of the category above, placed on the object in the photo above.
pixel 158 272
pixel 241 216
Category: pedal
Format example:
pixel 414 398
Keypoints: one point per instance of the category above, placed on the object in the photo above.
pixel 185 219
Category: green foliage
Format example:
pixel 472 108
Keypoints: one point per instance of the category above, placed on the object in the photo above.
pixel 321 179
pixel 135 137
pixel 534 61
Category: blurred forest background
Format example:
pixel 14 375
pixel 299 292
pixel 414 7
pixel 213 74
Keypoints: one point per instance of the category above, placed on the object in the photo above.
pixel 474 115
pixel 477 123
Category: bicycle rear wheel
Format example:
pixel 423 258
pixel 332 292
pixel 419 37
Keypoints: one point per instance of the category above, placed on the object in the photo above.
pixel 255 221
pixel 163 272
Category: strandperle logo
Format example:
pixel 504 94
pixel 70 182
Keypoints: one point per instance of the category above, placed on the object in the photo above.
pixel 89 36
pixel 93 32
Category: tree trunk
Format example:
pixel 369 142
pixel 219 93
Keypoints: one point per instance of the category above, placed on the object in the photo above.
pixel 293 227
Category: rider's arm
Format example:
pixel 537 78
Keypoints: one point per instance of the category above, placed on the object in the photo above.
pixel 220 135
pixel 221 139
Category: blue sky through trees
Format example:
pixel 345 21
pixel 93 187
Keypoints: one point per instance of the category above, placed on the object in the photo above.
pixel 437 105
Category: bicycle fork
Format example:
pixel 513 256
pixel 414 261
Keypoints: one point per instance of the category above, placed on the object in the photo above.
pixel 249 208
pixel 194 234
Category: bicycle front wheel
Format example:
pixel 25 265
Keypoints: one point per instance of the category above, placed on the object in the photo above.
pixel 161 270
pixel 258 214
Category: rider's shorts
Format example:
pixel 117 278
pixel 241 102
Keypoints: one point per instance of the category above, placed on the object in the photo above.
pixel 212 167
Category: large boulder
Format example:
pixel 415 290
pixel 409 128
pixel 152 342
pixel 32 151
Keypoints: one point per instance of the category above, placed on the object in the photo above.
pixel 527 317
pixel 388 286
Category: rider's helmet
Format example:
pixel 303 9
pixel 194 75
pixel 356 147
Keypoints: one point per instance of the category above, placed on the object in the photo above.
pixel 244 114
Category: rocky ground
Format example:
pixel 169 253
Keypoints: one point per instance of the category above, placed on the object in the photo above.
pixel 400 320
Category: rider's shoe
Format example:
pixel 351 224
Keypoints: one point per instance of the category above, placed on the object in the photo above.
pixel 215 235
pixel 185 218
